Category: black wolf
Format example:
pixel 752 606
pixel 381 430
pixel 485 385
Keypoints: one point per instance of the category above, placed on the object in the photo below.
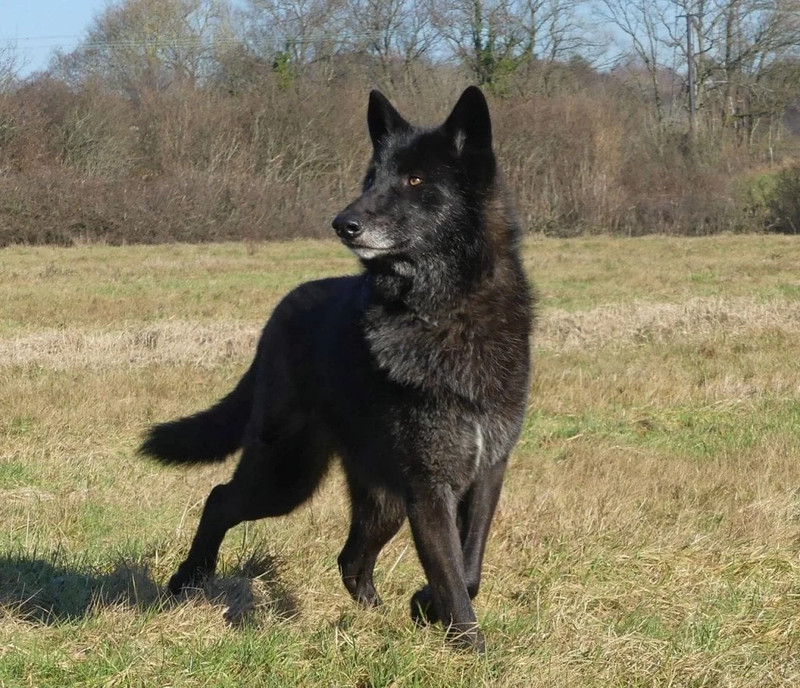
pixel 415 372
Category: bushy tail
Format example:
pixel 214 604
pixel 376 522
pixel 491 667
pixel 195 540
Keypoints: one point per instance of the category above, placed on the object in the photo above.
pixel 205 437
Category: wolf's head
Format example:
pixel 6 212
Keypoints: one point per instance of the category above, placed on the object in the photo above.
pixel 426 191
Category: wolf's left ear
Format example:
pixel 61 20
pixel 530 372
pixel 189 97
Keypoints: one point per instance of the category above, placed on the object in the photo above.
pixel 469 125
pixel 382 118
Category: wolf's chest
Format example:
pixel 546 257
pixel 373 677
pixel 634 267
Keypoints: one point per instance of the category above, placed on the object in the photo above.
pixel 427 357
pixel 478 365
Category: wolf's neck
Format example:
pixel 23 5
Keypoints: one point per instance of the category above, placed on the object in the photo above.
pixel 430 290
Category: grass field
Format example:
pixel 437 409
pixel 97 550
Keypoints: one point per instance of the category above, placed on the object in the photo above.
pixel 648 533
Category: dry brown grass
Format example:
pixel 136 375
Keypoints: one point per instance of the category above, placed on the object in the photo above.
pixel 558 330
pixel 647 536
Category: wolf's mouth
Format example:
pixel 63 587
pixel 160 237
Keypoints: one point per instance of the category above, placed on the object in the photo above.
pixel 367 251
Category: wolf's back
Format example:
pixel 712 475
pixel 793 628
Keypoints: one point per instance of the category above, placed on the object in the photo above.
pixel 205 437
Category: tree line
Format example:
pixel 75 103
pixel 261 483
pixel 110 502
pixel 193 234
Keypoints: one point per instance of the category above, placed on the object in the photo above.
pixel 209 119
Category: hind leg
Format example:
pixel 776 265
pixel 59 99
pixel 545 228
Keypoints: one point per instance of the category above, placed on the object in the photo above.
pixel 221 511
pixel 270 480
pixel 475 512
pixel 375 517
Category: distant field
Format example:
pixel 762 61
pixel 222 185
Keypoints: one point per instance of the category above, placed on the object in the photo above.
pixel 648 534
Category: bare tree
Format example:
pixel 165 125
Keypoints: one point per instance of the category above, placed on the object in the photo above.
pixel 736 44
pixel 146 45
pixel 641 24
pixel 294 33
pixel 745 40
pixel 554 30
pixel 495 37
pixel 390 31
pixel 10 65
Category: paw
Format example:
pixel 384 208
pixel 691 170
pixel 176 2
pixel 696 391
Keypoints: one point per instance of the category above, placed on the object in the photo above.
pixel 362 592
pixel 368 599
pixel 423 609
pixel 186 578
pixel 467 637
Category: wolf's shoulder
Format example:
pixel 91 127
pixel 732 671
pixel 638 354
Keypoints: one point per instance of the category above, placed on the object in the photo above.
pixel 319 292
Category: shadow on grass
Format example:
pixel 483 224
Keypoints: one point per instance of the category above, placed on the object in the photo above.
pixel 253 590
pixel 48 591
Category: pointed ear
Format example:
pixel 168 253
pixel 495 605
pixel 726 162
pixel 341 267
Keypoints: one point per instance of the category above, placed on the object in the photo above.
pixel 469 125
pixel 383 119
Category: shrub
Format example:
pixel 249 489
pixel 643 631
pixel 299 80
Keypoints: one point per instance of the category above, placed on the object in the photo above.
pixel 783 201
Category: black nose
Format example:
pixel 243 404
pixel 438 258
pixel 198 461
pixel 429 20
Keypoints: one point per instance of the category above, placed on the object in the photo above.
pixel 346 225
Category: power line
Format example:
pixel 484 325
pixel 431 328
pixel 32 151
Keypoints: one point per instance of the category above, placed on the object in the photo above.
pixel 193 41
pixel 14 39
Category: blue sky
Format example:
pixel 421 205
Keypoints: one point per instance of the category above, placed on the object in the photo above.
pixel 38 26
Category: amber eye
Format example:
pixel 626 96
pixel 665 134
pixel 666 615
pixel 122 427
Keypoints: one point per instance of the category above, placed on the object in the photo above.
pixel 413 180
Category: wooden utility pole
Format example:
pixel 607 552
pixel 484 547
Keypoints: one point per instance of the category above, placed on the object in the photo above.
pixel 690 70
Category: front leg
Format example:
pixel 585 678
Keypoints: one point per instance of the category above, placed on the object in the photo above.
pixel 432 514
pixel 475 512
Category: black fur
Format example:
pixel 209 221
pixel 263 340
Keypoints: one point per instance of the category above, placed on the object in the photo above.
pixel 414 372
pixel 208 436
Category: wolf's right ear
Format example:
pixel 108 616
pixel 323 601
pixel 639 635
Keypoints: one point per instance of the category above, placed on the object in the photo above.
pixel 383 119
